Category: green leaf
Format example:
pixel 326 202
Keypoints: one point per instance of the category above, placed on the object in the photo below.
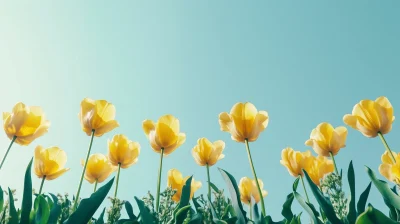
pixel 12 212
pixel 55 210
pixel 214 187
pixel 307 208
pixel 27 197
pixel 362 201
pixel 352 215
pixel 1 199
pixel 42 210
pixel 196 204
pixel 88 206
pixel 235 196
pixel 100 220
pixel 129 211
pixel 184 202
pixel 268 220
pixel 145 214
pixel 373 216
pixel 196 219
pixel 287 207
pixel 322 201
pixel 296 183
pixel 389 196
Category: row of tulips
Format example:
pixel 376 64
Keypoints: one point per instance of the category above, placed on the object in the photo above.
pixel 244 123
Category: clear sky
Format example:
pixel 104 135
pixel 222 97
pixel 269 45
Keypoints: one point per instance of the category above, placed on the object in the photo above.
pixel 304 62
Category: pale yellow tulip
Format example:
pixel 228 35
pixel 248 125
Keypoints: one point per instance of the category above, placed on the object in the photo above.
pixel 325 139
pixel 208 153
pixel 123 151
pixel 176 182
pixel 248 189
pixel 49 163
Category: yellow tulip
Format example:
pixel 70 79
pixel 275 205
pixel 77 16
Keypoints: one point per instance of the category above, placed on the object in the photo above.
pixel 123 151
pixel 325 139
pixel 49 163
pixel 97 116
pixel 176 182
pixel 296 161
pixel 207 153
pixel 248 189
pixel 319 168
pixel 390 170
pixel 371 117
pixel 244 122
pixel 98 168
pixel 164 134
pixel 25 123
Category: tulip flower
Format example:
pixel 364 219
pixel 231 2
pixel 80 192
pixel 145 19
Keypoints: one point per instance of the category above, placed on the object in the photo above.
pixel 206 153
pixel 176 182
pixel 98 169
pixel 49 163
pixel 248 189
pixel 97 117
pixel 327 141
pixel 164 137
pixel 372 118
pixel 390 170
pixel 295 162
pixel 23 125
pixel 122 153
pixel 319 168
pixel 245 123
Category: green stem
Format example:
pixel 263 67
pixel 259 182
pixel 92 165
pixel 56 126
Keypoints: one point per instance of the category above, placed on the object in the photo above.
pixel 83 172
pixel 41 184
pixel 255 177
pixel 8 150
pixel 159 179
pixel 95 186
pixel 334 162
pixel 117 181
pixel 305 190
pixel 209 185
pixel 387 147
pixel 250 211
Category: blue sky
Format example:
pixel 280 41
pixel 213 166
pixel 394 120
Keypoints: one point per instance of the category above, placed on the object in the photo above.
pixel 303 62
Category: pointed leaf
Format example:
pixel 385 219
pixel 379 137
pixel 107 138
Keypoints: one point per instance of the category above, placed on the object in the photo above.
pixel 235 196
pixel 27 197
pixel 322 201
pixel 389 196
pixel 362 201
pixel 100 220
pixel 352 215
pixel 129 211
pixel 287 207
pixel 12 212
pixel 296 183
pixel 1 199
pixel 373 216
pixel 55 211
pixel 307 208
pixel 88 206
pixel 214 187
pixel 145 215
pixel 42 210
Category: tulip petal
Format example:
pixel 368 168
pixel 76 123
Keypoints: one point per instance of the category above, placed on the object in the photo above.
pixel 57 174
pixel 148 126
pixel 107 127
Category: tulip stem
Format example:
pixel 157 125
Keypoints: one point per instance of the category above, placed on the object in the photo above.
pixel 8 150
pixel 255 177
pixel 387 147
pixel 41 184
pixel 83 172
pixel 250 211
pixel 159 179
pixel 304 187
pixel 117 181
pixel 209 182
pixel 95 186
pixel 334 162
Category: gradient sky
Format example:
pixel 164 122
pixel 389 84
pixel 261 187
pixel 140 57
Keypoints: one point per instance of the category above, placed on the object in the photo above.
pixel 303 62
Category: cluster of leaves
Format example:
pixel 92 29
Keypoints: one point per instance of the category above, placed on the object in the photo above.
pixel 333 207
